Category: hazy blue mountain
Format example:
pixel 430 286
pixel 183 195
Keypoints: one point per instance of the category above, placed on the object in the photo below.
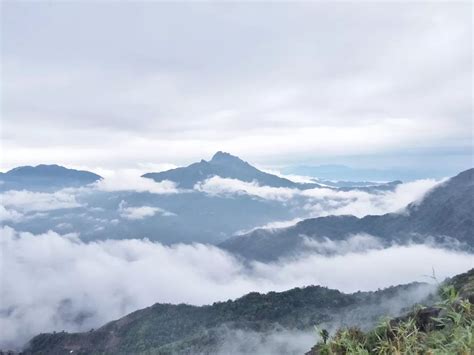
pixel 345 184
pixel 45 177
pixel 445 213
pixel 189 216
pixel 224 165
pixel 186 329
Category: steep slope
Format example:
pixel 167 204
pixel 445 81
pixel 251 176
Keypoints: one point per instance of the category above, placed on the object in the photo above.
pixel 165 328
pixel 224 165
pixel 45 177
pixel 446 212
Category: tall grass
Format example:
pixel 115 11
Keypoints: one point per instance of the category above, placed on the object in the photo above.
pixel 449 331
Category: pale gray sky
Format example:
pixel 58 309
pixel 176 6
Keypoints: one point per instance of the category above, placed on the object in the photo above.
pixel 122 84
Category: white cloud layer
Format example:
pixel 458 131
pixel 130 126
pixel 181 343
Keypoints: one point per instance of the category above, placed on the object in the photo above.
pixel 217 185
pixel 134 213
pixel 272 225
pixel 131 180
pixel 325 201
pixel 293 177
pixel 47 280
pixel 28 201
pixel 281 342
pixel 9 215
pixel 358 243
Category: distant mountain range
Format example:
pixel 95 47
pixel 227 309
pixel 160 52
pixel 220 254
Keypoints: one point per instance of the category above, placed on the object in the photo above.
pixel 200 217
pixel 223 165
pixel 194 216
pixel 53 177
pixel 185 329
pixel 45 177
pixel 229 166
pixel 445 214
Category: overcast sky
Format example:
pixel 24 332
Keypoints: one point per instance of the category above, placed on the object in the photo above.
pixel 122 84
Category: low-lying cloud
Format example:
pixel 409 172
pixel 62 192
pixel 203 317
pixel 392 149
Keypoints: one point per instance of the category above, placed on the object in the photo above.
pixel 217 185
pixel 325 201
pixel 9 215
pixel 52 282
pixel 18 205
pixel 361 203
pixel 358 243
pixel 131 180
pixel 134 213
pixel 282 341
pixel 28 201
pixel 21 205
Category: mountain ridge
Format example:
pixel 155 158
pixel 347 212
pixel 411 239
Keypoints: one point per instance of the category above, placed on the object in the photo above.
pixel 446 211
pixel 224 165
pixel 45 177
pixel 186 329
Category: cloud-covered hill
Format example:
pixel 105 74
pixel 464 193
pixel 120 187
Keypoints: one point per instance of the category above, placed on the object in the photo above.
pixel 443 216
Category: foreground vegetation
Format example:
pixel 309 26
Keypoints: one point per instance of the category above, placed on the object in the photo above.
pixel 446 328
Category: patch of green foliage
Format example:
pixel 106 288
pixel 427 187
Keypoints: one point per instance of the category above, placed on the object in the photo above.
pixel 450 332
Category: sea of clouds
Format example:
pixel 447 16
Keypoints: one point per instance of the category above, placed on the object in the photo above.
pixel 52 282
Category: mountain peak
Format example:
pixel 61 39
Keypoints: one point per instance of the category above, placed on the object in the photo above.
pixel 224 157
pixel 224 165
pixel 41 168
pixel 48 169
